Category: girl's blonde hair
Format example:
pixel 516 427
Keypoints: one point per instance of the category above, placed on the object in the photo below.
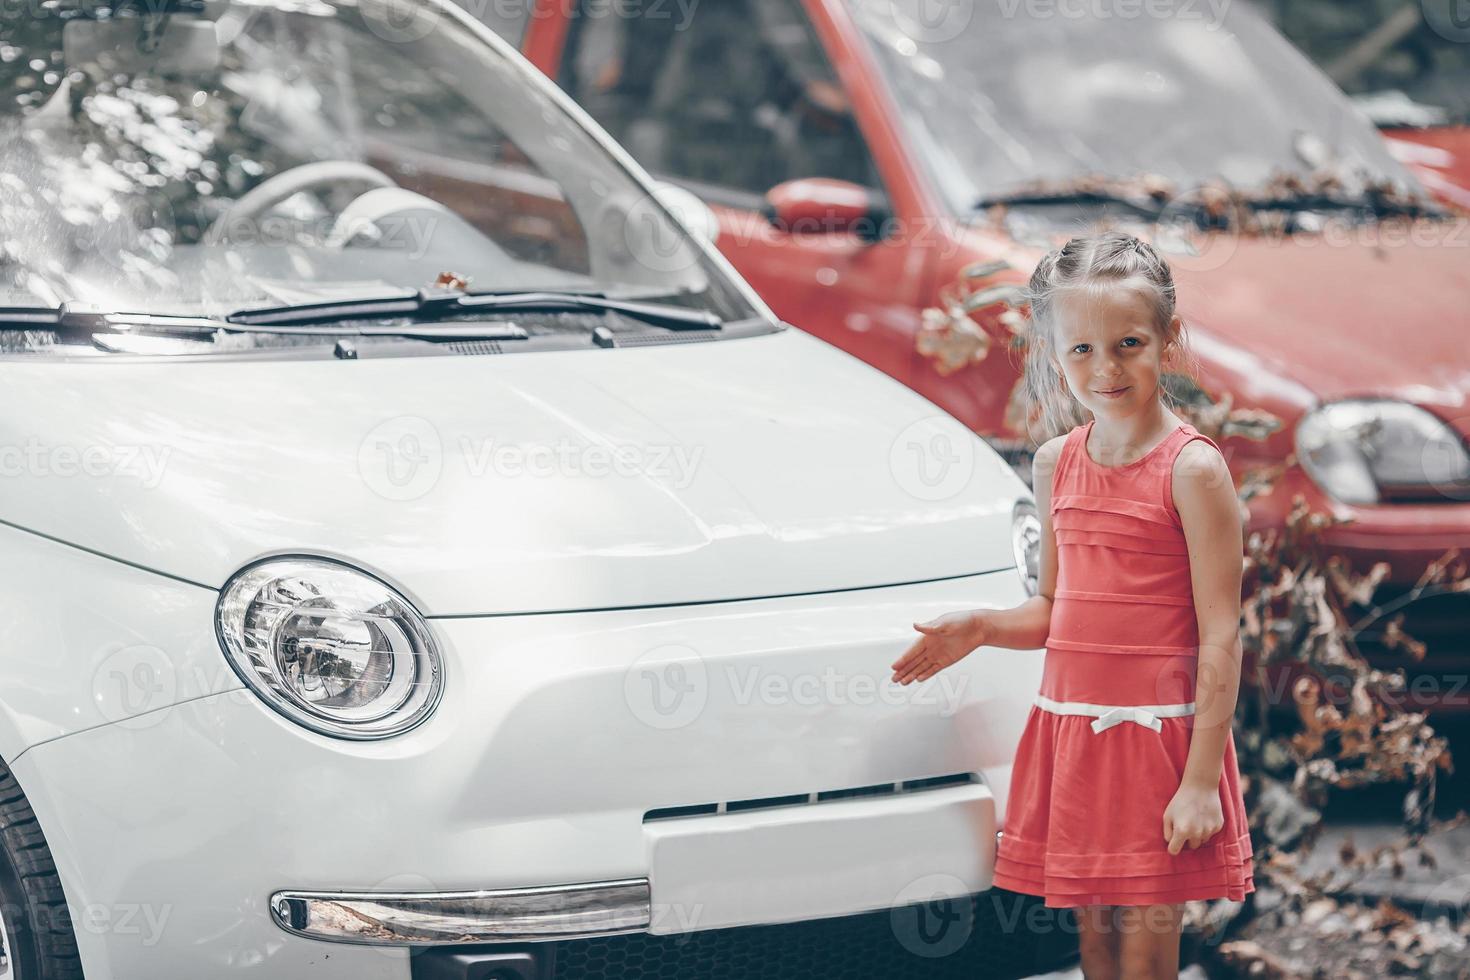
pixel 1106 258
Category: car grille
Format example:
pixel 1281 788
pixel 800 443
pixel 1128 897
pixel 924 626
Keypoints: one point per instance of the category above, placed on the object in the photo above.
pixel 821 796
pixel 983 936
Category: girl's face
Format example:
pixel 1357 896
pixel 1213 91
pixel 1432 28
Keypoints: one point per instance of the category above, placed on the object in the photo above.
pixel 1108 348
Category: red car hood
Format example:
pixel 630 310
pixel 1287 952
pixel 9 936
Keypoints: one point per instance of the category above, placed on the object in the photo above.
pixel 1439 156
pixel 1344 318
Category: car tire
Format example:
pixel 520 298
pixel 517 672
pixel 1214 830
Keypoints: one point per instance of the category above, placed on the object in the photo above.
pixel 39 942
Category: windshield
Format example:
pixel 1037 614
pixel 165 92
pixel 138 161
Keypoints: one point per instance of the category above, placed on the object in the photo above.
pixel 197 157
pixel 1013 92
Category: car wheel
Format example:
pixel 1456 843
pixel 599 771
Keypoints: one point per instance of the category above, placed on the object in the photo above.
pixel 35 925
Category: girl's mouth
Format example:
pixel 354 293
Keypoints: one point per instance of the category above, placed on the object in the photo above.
pixel 1115 392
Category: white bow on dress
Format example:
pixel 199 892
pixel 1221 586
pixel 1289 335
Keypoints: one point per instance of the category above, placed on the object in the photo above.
pixel 1108 715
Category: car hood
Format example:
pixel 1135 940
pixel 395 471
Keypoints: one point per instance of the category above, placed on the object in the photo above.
pixel 751 467
pixel 1344 319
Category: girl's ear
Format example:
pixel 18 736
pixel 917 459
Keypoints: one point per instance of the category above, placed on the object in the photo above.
pixel 1056 363
pixel 1171 346
pixel 1056 366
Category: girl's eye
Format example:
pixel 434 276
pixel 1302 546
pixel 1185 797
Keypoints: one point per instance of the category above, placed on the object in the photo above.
pixel 1134 339
pixel 1078 348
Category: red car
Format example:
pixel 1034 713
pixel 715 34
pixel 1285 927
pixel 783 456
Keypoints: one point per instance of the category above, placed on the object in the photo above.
pixel 1351 330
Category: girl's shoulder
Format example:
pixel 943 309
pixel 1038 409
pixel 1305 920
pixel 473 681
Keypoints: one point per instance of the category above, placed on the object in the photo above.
pixel 1198 471
pixel 1046 462
pixel 1196 452
pixel 1052 449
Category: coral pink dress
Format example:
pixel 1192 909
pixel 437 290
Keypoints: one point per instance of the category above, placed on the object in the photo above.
pixel 1105 744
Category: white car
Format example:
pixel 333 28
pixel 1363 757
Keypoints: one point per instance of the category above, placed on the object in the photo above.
pixel 422 556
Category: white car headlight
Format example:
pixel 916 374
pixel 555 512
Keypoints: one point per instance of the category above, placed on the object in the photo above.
pixel 330 647
pixel 1026 540
pixel 1356 448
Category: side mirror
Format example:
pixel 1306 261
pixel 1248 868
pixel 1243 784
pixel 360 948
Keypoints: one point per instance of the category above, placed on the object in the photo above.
pixel 823 206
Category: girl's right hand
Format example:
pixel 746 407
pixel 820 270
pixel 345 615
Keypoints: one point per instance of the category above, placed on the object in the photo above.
pixel 945 641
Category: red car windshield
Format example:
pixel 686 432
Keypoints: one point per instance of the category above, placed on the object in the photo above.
pixel 999 93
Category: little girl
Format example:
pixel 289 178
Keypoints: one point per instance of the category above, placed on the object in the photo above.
pixel 1125 798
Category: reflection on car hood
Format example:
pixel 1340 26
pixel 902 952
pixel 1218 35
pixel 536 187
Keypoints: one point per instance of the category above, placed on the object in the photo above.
pixel 744 468
pixel 1344 319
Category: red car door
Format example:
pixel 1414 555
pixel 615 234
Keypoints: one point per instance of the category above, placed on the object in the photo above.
pixel 734 99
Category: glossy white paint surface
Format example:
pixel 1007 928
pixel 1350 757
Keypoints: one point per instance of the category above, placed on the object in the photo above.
pixel 843 857
pixel 759 466
pixel 87 641
pixel 537 769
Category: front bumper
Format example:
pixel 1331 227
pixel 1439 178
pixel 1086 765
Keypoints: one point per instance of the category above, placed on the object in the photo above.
pixel 567 749
pixel 1405 536
pixel 781 862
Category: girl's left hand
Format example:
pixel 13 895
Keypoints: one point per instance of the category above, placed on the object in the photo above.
pixel 1192 817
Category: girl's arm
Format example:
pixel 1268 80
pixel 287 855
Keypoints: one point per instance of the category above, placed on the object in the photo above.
pixel 955 635
pixel 1210 512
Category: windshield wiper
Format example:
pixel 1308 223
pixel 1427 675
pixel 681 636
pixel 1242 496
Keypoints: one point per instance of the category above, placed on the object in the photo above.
pixel 1142 204
pixel 84 321
pixel 1184 206
pixel 1379 205
pixel 445 303
pixel 326 318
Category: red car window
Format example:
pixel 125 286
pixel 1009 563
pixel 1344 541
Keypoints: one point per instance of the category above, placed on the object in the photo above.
pixel 738 94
